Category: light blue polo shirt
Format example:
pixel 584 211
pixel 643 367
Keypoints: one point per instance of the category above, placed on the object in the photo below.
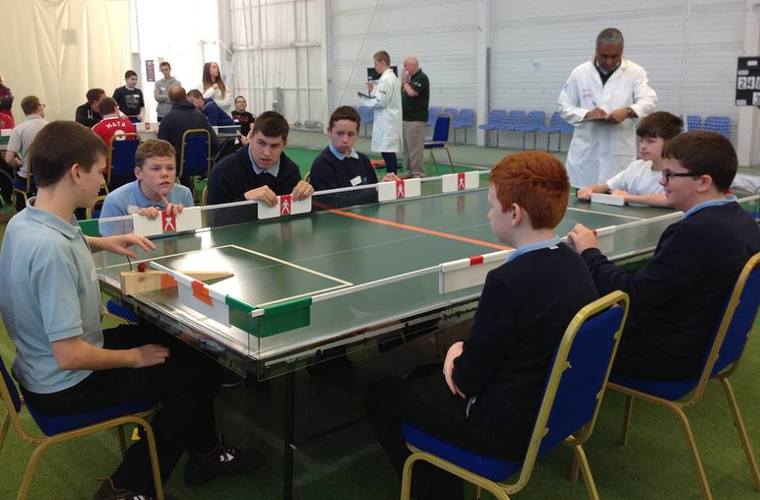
pixel 48 292
pixel 129 198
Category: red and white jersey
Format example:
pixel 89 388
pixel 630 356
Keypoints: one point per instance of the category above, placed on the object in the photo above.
pixel 110 127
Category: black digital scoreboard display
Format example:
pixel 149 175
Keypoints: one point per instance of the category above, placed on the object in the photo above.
pixel 748 81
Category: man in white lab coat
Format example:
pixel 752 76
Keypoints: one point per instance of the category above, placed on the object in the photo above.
pixel 385 99
pixel 602 98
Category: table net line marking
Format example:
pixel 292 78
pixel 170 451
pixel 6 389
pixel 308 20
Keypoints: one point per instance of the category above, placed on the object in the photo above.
pixel 418 229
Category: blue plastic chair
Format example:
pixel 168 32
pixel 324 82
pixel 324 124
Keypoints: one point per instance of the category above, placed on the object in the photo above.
pixel 121 159
pixel 693 122
pixel 440 139
pixel 572 397
pixel 719 124
pixel 535 121
pixel 62 428
pixel 496 120
pixel 516 121
pixel 464 120
pixel 433 114
pixel 367 116
pixel 195 153
pixel 721 361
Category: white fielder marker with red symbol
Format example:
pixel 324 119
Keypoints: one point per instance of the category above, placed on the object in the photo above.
pixel 400 189
pixel 188 220
pixel 285 205
pixel 460 181
pixel 470 272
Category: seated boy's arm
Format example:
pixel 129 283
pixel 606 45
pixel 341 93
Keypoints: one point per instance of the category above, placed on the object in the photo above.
pixel 492 335
pixel 76 354
pixel 119 244
pixel 651 199
pixel 585 193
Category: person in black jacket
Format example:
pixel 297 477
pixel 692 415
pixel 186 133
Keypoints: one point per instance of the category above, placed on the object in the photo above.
pixel 487 396
pixel 339 165
pixel 88 114
pixel 130 98
pixel 261 171
pixel 679 295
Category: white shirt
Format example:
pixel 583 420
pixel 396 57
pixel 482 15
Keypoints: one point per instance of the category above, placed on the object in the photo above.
pixel 637 178
pixel 599 149
pixel 386 101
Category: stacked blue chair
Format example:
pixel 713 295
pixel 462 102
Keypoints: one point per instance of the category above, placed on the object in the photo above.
pixel 516 122
pixel 718 124
pixel 367 116
pixel 693 122
pixel 721 360
pixel 535 122
pixel 572 397
pixel 553 127
pixel 61 428
pixel 452 112
pixel 465 120
pixel 496 119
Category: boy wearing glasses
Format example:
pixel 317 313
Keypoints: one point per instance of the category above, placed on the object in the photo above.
pixel 678 296
pixel 640 181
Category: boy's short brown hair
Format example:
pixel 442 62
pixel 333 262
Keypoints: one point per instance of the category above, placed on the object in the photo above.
pixel 383 56
pixel 29 104
pixel 107 106
pixel 271 124
pixel 152 148
pixel 537 182
pixel 660 124
pixel 58 146
pixel 705 153
pixel 345 113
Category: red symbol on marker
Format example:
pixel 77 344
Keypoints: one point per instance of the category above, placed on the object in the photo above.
pixel 285 202
pixel 460 181
pixel 168 222
pixel 400 189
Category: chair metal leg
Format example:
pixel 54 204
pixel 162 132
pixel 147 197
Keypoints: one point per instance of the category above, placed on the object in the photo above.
pixel 432 158
pixel 740 428
pixel 588 479
pixel 4 430
pixel 478 492
pixel 154 464
pixel 451 162
pixel 697 461
pixel 122 442
pixel 406 478
pixel 574 468
pixel 627 413
pixel 31 468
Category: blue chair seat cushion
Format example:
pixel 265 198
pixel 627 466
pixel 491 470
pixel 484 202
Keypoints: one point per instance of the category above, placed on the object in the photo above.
pixel 672 390
pixel 51 425
pixel 429 145
pixel 491 468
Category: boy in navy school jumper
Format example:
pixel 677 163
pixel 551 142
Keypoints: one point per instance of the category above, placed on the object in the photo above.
pixel 487 397
pixel 679 295
pixel 65 362
pixel 154 189
pixel 339 165
pixel 261 171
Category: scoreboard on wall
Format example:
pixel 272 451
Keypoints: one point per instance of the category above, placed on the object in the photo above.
pixel 748 81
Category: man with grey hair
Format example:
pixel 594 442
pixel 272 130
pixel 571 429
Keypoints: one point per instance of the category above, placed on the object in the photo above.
pixel 602 98
pixel 415 98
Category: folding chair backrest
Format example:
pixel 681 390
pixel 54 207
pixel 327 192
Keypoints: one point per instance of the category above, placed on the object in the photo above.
pixel 693 122
pixel 537 118
pixel 719 124
pixel 579 372
pixel 452 112
pixel 195 157
pixel 466 117
pixel 441 130
pixel 121 158
pixel 738 317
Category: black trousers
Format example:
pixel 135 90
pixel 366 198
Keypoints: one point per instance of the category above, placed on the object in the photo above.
pixel 391 162
pixel 185 386
pixel 426 402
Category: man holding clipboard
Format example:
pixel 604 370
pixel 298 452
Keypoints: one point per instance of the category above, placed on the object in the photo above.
pixel 385 99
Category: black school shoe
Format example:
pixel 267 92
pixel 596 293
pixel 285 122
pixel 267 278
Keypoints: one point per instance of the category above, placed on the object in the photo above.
pixel 224 460
pixel 108 491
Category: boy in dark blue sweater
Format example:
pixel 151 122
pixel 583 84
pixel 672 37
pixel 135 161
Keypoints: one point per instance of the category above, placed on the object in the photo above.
pixel 679 295
pixel 339 165
pixel 487 396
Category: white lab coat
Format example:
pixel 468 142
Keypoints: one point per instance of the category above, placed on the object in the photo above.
pixel 386 101
pixel 599 150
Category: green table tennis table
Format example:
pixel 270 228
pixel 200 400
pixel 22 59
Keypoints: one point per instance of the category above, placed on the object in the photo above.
pixel 330 281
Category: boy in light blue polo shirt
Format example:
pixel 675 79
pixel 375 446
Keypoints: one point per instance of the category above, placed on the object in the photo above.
pixel 154 190
pixel 65 362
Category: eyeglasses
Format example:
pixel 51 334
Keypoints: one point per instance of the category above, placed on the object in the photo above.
pixel 668 174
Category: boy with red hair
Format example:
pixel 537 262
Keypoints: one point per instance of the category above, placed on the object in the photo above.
pixel 488 394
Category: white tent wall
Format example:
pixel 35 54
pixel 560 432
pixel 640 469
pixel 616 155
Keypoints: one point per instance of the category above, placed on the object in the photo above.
pixel 185 33
pixel 57 50
pixel 277 48
pixel 688 47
